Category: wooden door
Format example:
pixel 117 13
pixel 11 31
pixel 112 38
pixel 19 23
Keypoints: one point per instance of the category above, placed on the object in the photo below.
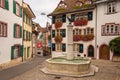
pixel 104 52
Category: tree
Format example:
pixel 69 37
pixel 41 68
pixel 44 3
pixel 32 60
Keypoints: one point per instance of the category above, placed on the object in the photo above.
pixel 114 45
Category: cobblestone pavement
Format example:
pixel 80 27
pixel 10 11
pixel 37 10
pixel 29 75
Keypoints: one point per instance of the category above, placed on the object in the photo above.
pixel 107 71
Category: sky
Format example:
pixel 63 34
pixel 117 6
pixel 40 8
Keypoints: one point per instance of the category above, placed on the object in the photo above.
pixel 42 6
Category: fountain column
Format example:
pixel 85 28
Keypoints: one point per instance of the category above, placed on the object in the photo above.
pixel 69 43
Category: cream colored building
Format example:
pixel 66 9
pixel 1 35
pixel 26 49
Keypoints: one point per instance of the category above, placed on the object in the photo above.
pixel 28 15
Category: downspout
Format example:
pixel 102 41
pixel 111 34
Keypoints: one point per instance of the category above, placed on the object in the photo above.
pixel 96 33
pixel 22 31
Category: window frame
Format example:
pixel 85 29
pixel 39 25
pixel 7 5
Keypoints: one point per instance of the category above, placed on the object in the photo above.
pixel 111 6
pixel 3 29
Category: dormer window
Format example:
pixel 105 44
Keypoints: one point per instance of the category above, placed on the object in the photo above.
pixel 88 2
pixel 62 5
pixel 78 3
pixel 111 7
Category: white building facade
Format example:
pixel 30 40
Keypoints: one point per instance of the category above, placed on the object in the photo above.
pixel 10 30
pixel 108 26
pixel 82 17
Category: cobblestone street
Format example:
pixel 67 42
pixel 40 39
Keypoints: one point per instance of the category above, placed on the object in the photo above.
pixel 107 71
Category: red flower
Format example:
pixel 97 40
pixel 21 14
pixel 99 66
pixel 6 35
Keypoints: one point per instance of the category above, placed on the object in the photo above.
pixel 80 22
pixel 58 25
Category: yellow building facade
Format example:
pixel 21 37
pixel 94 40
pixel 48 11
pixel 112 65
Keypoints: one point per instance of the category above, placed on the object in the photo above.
pixel 28 15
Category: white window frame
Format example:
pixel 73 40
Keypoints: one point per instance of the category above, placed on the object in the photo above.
pixel 59 47
pixel 76 47
pixel 0 29
pixel 112 6
pixel 17 9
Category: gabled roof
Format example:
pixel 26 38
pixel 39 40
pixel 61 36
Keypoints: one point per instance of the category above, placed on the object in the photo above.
pixel 28 10
pixel 70 7
pixel 102 1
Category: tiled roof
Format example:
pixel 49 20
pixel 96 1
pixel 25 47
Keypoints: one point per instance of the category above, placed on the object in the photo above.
pixel 70 6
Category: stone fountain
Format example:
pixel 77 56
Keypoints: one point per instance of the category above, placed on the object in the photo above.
pixel 69 65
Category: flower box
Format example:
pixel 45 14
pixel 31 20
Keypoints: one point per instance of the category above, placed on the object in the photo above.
pixel 80 22
pixel 58 25
pixel 58 39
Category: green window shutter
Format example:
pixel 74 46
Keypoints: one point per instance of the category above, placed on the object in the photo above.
pixel 21 50
pixel 90 16
pixel 81 48
pixel 21 11
pixel 12 52
pixel 53 47
pixel 26 35
pixel 63 47
pixel 63 32
pixel 63 18
pixel 20 31
pixel 14 30
pixel 14 7
pixel 6 4
pixel 53 33
pixel 53 19
pixel 72 17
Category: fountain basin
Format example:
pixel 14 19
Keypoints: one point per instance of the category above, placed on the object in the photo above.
pixel 61 66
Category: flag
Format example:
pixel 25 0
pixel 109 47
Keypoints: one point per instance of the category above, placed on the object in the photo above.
pixel 41 36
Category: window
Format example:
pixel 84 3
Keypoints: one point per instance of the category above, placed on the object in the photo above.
pixel 58 47
pixel 62 5
pixel 75 47
pixel 17 9
pixel 4 4
pixel 110 29
pixel 3 29
pixel 58 18
pixel 88 2
pixel 89 30
pixel 17 31
pixel 111 7
pixel 78 3
pixel 16 51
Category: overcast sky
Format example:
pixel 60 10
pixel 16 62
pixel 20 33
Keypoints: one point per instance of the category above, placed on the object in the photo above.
pixel 42 6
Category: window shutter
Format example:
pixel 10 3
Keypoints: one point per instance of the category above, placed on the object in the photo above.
pixel 12 52
pixel 53 19
pixel 26 35
pixel 6 4
pixel 53 33
pixel 53 47
pixel 72 17
pixel 21 50
pixel 14 7
pixel 63 47
pixel 20 31
pixel 90 15
pixel 21 11
pixel 63 33
pixel 81 48
pixel 14 30
pixel 63 18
